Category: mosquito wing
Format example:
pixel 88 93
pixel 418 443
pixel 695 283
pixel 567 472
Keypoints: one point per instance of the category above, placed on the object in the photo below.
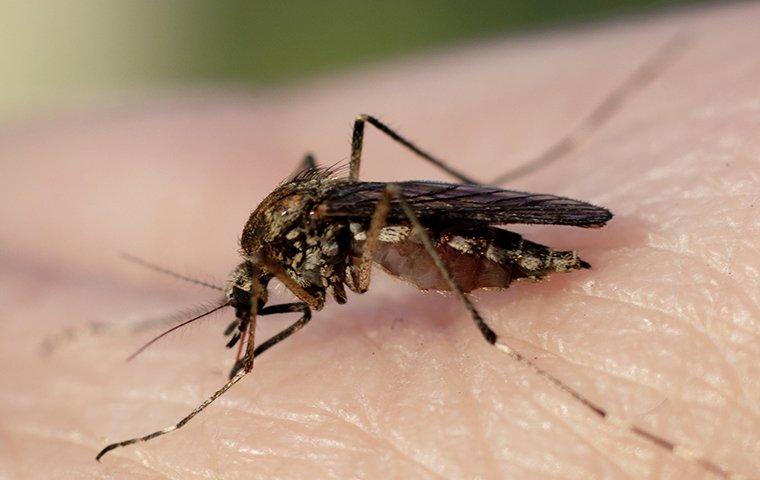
pixel 436 203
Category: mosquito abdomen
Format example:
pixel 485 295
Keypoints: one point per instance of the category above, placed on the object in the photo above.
pixel 486 258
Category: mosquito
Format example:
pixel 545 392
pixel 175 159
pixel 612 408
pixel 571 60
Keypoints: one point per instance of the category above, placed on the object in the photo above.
pixel 320 233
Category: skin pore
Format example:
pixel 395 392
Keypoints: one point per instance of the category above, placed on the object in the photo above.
pixel 662 331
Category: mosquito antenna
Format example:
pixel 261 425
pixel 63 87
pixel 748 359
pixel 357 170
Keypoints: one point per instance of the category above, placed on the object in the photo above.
pixel 186 322
pixel 157 268
pixel 646 72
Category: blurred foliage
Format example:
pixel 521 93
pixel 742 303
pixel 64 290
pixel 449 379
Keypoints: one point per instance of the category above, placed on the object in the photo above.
pixel 273 41
pixel 55 49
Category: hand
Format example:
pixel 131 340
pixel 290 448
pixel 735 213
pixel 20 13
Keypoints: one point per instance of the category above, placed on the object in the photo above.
pixel 662 331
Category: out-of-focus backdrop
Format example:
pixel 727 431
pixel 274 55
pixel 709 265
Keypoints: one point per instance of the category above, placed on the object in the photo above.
pixel 56 54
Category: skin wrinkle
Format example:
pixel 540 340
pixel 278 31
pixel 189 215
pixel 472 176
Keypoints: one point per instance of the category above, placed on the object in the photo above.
pixel 86 447
pixel 558 357
pixel 739 327
pixel 666 314
pixel 380 435
pixel 567 361
pixel 369 435
pixel 479 434
pixel 391 446
pixel 732 400
pixel 568 427
pixel 574 432
pixel 681 399
pixel 534 400
pixel 721 356
pixel 749 303
pixel 229 406
pixel 672 316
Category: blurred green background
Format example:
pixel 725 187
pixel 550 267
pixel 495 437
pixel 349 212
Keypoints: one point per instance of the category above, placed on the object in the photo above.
pixel 61 53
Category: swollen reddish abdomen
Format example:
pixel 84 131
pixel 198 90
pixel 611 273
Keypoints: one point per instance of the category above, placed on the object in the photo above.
pixel 488 258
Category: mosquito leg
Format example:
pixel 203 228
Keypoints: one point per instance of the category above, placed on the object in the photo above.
pixel 649 70
pixel 271 310
pixel 296 326
pixel 492 338
pixel 250 342
pixel 361 272
pixel 239 354
pixel 357 140
pixel 239 374
pixel 646 72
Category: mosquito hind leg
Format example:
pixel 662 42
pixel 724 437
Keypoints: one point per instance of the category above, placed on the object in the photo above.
pixel 357 141
pixel 610 105
pixel 493 339
pixel 604 111
pixel 488 333
pixel 239 374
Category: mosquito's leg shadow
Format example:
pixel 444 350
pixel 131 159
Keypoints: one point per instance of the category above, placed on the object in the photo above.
pixel 53 342
pixel 493 339
pixel 239 373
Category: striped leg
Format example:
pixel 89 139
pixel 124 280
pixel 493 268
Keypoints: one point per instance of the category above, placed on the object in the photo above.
pixel 502 344
pixel 239 374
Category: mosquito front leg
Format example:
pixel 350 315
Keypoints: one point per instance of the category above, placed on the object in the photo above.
pixel 51 343
pixel 239 374
pixel 249 356
pixel 493 339
pixel 357 140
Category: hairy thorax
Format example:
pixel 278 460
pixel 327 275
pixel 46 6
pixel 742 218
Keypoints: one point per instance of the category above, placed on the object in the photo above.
pixel 288 229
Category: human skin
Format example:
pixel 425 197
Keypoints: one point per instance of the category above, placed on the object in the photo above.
pixel 662 331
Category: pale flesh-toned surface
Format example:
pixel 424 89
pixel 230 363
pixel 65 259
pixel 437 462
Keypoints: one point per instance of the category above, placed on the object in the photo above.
pixel 663 331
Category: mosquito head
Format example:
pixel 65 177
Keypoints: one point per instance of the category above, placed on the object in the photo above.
pixel 246 281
